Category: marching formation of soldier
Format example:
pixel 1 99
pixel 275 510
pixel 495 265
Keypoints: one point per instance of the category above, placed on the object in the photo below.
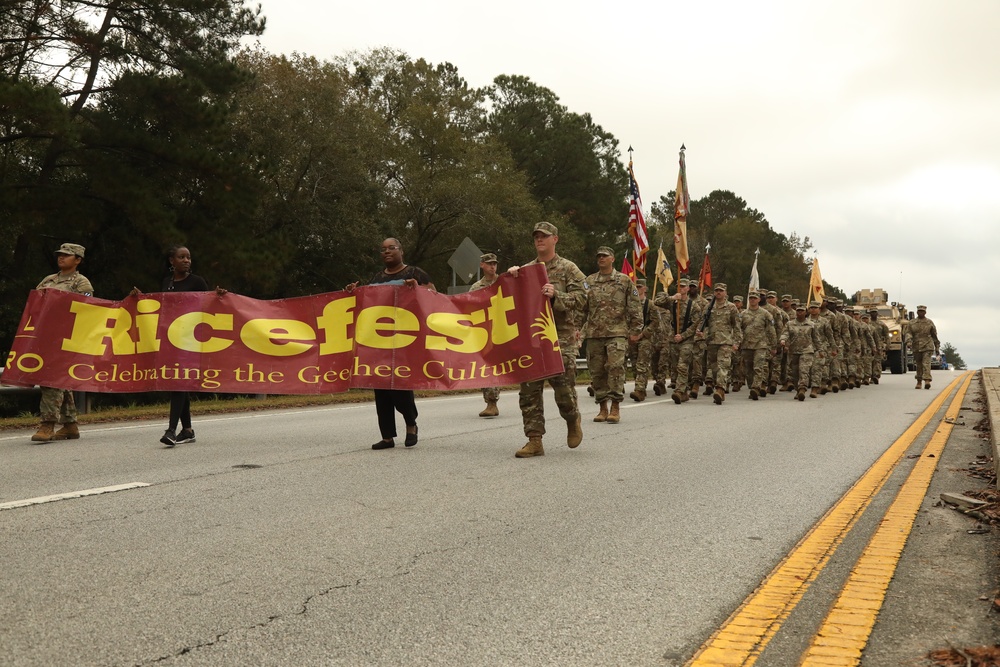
pixel 681 338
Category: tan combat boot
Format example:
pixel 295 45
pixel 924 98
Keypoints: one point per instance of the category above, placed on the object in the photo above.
pixel 491 410
pixel 659 388
pixel 927 384
pixel 918 387
pixel 602 416
pixel 694 391
pixel 574 432
pixel 531 448
pixel 69 431
pixel 639 395
pixel 800 395
pixel 44 433
pixel 719 396
pixel 813 394
pixel 614 416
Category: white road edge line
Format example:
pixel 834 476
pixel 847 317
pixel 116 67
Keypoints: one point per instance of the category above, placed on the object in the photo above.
pixel 72 494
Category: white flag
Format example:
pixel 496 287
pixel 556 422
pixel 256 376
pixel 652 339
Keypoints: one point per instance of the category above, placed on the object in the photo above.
pixel 754 278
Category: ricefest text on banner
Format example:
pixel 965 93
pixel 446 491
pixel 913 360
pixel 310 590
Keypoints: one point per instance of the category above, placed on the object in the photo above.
pixel 376 337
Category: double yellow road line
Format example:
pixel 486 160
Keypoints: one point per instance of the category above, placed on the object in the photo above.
pixel 845 631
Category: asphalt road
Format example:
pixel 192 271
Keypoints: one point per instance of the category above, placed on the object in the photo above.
pixel 282 538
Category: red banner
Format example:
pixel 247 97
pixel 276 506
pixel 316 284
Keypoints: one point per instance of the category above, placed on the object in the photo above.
pixel 379 336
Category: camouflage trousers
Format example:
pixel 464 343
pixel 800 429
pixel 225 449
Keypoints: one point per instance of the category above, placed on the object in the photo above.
pixel 800 369
pixel 774 369
pixel 720 362
pixel 660 362
pixel 686 352
pixel 838 369
pixel 821 368
pixel 851 362
pixel 737 375
pixel 491 394
pixel 755 368
pixel 606 362
pixel 922 362
pixel 643 361
pixel 673 354
pixel 877 364
pixel 564 386
pixel 698 366
pixel 57 405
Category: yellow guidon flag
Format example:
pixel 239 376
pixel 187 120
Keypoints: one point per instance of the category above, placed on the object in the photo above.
pixel 682 207
pixel 663 272
pixel 816 292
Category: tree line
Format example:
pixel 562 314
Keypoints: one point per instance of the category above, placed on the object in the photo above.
pixel 129 127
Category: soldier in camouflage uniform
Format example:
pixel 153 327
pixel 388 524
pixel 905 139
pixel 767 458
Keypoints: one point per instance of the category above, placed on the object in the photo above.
pixel 488 265
pixel 788 308
pixel 722 334
pixel 759 341
pixel 736 374
pixel 613 319
pixel 866 344
pixel 881 330
pixel 662 326
pixel 780 320
pixel 698 365
pixel 568 296
pixel 842 333
pixel 686 316
pixel 641 351
pixel 832 380
pixel 826 349
pixel 873 353
pixel 801 339
pixel 58 405
pixel 924 339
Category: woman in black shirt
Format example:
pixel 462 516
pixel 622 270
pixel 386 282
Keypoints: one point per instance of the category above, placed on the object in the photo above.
pixel 388 401
pixel 180 279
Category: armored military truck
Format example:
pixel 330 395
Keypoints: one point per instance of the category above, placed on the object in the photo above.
pixel 894 316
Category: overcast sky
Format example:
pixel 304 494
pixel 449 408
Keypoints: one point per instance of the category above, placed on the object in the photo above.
pixel 870 127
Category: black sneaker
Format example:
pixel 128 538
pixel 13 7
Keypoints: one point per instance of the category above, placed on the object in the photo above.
pixel 186 435
pixel 169 439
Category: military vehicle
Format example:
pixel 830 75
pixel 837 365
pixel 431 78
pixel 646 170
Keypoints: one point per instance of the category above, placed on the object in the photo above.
pixel 894 315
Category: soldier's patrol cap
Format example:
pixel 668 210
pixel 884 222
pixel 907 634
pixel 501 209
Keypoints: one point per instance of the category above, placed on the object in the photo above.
pixel 815 304
pixel 488 258
pixel 799 306
pixel 865 316
pixel 720 286
pixel 683 282
pixel 924 308
pixel 640 282
pixel 546 228
pixel 71 249
pixel 873 310
pixel 605 250
pixel 738 298
pixel 754 295
pixel 771 293
pixel 786 297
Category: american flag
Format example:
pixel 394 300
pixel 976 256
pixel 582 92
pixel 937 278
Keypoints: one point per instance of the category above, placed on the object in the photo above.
pixel 637 223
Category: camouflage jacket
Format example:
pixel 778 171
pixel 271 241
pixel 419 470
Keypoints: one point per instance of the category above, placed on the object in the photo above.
pixel 758 329
pixel 723 324
pixel 613 307
pixel 685 316
pixel 831 319
pixel 824 332
pixel 74 282
pixel 924 335
pixel 482 283
pixel 801 337
pixel 780 319
pixel 570 296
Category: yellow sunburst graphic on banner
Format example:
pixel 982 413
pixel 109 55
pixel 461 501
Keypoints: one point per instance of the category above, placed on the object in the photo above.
pixel 547 325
